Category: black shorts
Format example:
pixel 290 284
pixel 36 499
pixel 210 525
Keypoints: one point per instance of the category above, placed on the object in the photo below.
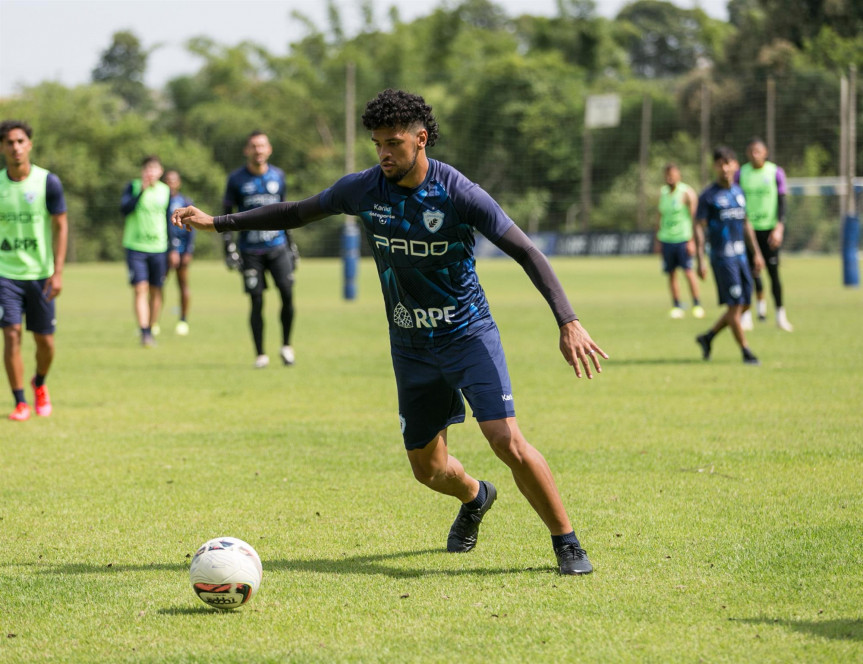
pixel 278 261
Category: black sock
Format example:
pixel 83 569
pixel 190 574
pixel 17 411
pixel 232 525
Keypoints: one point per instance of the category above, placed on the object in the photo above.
pixel 558 541
pixel 677 304
pixel 477 502
pixel 19 396
pixel 747 354
pixel 39 380
pixel 146 330
pixel 696 302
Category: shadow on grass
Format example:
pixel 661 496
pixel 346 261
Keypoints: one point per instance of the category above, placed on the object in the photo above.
pixel 344 564
pixel 850 629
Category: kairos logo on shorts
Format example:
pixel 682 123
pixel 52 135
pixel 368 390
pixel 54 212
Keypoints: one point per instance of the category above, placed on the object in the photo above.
pixel 2 311
pixel 735 291
pixel 402 422
pixel 251 277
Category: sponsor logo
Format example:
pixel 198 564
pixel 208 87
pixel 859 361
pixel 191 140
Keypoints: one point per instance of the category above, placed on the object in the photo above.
pixel 428 318
pixel 22 217
pixel 416 248
pixel 248 188
pixel 259 200
pixel 433 220
pixel 19 244
pixel 383 213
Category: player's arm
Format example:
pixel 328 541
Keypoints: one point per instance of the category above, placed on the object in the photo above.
pixel 575 343
pixel 278 216
pixel 55 201
pixel 691 201
pixel 698 236
pixel 777 235
pixel 752 243
pixel 129 199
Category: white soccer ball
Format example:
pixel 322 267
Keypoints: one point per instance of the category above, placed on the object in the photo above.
pixel 226 572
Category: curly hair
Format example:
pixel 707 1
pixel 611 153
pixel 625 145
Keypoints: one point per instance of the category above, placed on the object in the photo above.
pixel 396 108
pixel 8 125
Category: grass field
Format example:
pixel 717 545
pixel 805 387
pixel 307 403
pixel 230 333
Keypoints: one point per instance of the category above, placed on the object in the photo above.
pixel 720 504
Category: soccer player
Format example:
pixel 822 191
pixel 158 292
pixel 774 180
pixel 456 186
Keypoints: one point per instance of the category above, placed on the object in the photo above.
pixel 145 237
pixel 763 184
pixel 251 186
pixel 181 247
pixel 722 210
pixel 420 216
pixel 33 237
pixel 677 203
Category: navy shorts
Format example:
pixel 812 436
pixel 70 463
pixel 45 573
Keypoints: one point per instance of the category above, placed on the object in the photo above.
pixel 431 383
pixel 25 299
pixel 144 266
pixel 278 261
pixel 182 241
pixel 675 255
pixel 733 280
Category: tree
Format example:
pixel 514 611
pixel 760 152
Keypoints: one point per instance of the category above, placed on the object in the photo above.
pixel 122 66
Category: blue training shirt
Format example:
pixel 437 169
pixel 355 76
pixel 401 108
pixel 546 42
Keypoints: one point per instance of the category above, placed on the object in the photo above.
pixel 247 191
pixel 725 213
pixel 422 240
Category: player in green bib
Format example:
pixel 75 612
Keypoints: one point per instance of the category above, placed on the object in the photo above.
pixel 33 236
pixel 764 185
pixel 677 203
pixel 145 203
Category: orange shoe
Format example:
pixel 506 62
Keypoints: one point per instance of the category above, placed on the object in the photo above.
pixel 43 400
pixel 21 413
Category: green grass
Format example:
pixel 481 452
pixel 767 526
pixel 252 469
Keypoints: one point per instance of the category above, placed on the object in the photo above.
pixel 721 504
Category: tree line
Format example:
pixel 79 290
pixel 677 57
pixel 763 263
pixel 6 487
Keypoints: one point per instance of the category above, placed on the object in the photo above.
pixel 509 93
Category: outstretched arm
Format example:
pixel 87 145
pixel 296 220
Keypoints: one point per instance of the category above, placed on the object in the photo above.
pixel 575 343
pixel 278 216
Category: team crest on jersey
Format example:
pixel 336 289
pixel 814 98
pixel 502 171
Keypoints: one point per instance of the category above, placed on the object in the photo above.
pixel 741 201
pixel 272 186
pixel 433 220
pixel 402 317
pixel 30 197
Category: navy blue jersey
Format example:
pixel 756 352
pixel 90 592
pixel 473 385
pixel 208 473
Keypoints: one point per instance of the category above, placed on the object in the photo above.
pixel 422 240
pixel 181 235
pixel 725 213
pixel 246 191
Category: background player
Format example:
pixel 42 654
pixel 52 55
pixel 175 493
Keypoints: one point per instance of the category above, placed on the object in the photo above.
pixel 145 237
pixel 677 202
pixel 34 229
pixel 181 247
pixel 763 183
pixel 721 208
pixel 419 216
pixel 255 184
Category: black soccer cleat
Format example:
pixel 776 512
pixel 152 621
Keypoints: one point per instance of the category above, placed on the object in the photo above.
pixel 465 528
pixel 704 342
pixel 572 559
pixel 749 358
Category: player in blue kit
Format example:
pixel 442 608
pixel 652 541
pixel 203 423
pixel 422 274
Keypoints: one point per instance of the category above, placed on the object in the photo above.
pixel 419 216
pixel 251 186
pixel 181 247
pixel 722 209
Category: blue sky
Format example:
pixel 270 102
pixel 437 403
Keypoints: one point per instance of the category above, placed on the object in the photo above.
pixel 62 40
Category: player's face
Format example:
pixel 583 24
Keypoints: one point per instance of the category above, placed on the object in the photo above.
pixel 172 179
pixel 151 171
pixel 258 150
pixel 16 148
pixel 398 150
pixel 672 177
pixel 757 153
pixel 725 170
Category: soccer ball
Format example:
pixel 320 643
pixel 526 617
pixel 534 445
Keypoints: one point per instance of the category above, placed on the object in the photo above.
pixel 225 573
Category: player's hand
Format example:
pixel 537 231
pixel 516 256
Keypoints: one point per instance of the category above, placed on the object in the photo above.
pixel 191 217
pixel 702 271
pixel 53 286
pixel 774 240
pixel 690 247
pixel 758 263
pixel 579 349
